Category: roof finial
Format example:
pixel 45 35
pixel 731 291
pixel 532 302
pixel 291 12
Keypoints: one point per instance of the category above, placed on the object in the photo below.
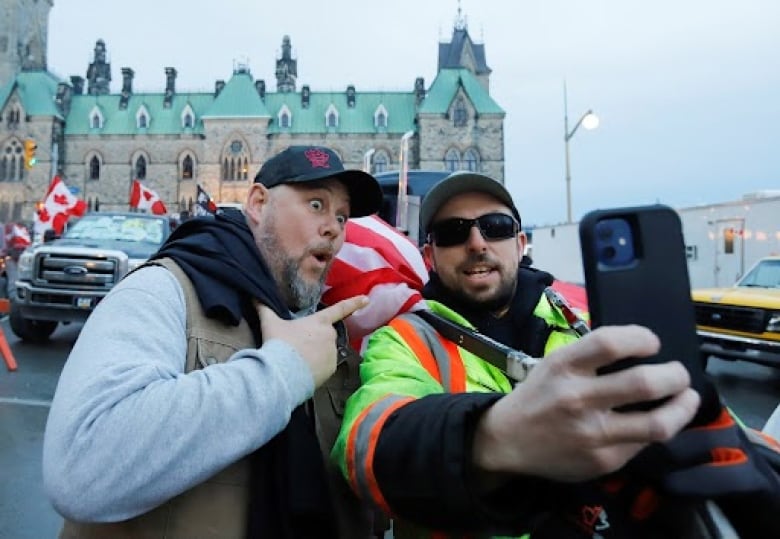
pixel 460 20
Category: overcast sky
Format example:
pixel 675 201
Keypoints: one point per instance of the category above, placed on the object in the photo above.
pixel 688 91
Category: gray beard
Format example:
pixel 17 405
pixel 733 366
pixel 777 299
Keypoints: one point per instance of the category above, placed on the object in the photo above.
pixel 296 292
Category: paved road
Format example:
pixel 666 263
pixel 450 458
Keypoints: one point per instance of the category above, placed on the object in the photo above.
pixel 752 391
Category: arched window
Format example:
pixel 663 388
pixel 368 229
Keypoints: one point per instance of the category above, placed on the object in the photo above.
pixel 12 162
pixel 187 168
pixel 142 121
pixel 452 160
pixel 381 120
pixel 285 120
pixel 187 121
pixel 140 168
pixel 380 162
pixel 332 120
pixel 95 121
pixel 471 160
pixel 235 161
pixel 459 113
pixel 94 168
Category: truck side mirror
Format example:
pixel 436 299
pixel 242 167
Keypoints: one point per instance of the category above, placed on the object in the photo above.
pixel 49 235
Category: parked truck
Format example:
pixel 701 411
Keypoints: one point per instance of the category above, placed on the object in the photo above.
pixel 743 321
pixel 62 280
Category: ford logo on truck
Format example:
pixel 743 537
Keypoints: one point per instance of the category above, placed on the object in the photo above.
pixel 74 270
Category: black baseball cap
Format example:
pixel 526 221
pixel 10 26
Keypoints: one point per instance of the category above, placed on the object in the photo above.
pixel 300 164
pixel 458 183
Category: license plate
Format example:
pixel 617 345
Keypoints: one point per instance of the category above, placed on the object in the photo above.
pixel 84 303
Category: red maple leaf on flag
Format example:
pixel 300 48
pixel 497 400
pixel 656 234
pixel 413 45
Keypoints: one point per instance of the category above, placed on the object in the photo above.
pixel 58 205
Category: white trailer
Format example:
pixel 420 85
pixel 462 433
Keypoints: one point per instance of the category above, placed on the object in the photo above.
pixel 722 240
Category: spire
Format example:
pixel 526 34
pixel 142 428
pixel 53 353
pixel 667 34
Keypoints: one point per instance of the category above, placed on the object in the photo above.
pixel 460 19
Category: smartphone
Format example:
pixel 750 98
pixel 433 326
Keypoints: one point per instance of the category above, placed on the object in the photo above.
pixel 636 272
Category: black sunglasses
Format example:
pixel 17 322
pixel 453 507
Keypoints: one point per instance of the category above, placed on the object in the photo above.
pixel 492 226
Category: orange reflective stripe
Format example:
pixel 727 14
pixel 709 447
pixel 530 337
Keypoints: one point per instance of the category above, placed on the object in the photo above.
pixel 368 463
pixel 420 350
pixel 457 368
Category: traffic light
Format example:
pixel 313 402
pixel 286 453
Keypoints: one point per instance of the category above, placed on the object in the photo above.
pixel 29 153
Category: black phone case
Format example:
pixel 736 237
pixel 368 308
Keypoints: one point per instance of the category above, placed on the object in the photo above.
pixel 653 291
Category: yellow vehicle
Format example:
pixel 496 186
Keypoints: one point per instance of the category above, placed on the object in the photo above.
pixel 742 321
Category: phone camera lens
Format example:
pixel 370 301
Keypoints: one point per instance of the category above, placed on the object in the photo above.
pixel 608 253
pixel 604 231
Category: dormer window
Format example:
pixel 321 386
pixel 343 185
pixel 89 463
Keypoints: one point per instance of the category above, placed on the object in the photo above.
pixel 187 118
pixel 332 117
pixel 284 117
pixel 96 118
pixel 142 118
pixel 380 117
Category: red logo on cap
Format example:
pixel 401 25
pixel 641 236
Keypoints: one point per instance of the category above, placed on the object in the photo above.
pixel 317 158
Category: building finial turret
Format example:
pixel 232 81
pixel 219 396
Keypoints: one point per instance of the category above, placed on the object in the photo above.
pixel 460 19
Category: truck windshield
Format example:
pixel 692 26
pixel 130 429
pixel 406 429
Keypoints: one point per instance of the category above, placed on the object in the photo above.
pixel 766 274
pixel 118 228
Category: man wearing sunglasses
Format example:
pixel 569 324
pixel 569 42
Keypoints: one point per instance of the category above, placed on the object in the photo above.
pixel 442 440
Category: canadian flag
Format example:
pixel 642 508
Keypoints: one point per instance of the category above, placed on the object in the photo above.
pixel 17 236
pixel 145 199
pixel 58 206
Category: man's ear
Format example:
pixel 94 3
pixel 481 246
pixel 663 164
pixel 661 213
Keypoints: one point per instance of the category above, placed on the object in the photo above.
pixel 427 252
pixel 522 241
pixel 256 199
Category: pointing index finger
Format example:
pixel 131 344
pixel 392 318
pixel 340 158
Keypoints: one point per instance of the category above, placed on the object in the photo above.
pixel 342 309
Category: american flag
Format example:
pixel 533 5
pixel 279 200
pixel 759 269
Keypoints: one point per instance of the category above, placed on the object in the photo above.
pixel 381 263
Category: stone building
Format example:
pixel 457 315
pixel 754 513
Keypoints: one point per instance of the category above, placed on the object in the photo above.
pixel 99 141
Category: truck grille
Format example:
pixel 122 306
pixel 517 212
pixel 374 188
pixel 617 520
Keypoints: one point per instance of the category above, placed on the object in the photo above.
pixel 730 317
pixel 64 270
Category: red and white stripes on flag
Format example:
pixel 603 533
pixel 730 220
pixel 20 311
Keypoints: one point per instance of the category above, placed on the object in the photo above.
pixel 58 205
pixel 381 263
pixel 144 199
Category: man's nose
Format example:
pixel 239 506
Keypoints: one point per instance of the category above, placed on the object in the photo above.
pixel 475 240
pixel 332 226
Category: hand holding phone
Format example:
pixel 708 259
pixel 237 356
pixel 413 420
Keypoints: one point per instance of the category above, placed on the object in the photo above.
pixel 636 272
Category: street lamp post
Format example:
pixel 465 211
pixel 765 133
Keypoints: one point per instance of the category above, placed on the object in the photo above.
pixel 589 121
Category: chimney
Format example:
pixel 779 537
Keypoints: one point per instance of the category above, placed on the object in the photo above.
pixel 218 87
pixel 78 84
pixel 305 96
pixel 62 98
pixel 419 90
pixel 127 87
pixel 351 96
pixel 260 87
pixel 170 86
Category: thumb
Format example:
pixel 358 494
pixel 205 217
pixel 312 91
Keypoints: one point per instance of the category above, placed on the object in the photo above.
pixel 342 309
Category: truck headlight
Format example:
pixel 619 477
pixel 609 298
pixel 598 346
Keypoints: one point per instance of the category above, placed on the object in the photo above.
pixel 774 322
pixel 24 267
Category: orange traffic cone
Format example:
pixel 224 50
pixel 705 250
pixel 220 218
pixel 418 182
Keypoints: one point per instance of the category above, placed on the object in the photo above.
pixel 8 356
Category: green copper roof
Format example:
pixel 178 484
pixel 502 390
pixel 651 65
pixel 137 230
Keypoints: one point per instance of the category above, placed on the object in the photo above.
pixel 36 91
pixel 116 121
pixel 399 110
pixel 446 85
pixel 238 99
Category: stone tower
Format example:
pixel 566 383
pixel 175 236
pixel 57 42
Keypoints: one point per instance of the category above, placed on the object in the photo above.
pixel 24 27
pixel 99 71
pixel 286 68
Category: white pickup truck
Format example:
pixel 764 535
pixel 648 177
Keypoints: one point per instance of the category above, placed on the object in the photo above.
pixel 64 279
